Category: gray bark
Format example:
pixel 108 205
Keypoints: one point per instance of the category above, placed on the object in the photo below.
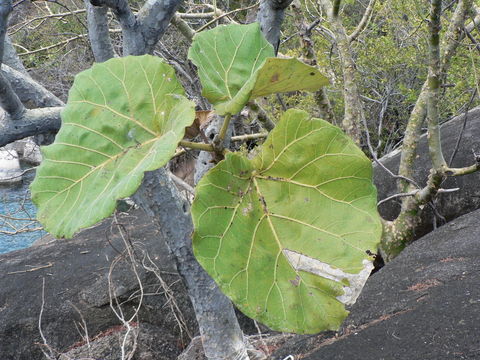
pixel 5 10
pixel 11 58
pixel 221 334
pixel 98 32
pixel 132 40
pixel 154 18
pixel 142 32
pixel 9 101
pixel 28 123
pixel 270 16
pixel 30 92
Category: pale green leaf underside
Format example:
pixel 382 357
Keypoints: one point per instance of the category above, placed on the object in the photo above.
pixel 236 64
pixel 123 117
pixel 308 192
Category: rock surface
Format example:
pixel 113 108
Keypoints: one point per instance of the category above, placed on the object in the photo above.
pixel 10 171
pixel 449 205
pixel 147 342
pixel 75 273
pixel 425 304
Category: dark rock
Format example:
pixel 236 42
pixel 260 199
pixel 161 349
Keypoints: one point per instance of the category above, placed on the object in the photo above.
pixel 147 342
pixel 449 205
pixel 425 304
pixel 76 286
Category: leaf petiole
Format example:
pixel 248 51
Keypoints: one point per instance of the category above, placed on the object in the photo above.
pixel 197 146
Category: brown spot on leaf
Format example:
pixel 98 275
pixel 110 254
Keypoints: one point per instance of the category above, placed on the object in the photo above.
pixel 274 78
pixel 295 282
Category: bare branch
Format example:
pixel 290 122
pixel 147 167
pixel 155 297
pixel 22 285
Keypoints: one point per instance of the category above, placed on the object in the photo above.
pixel 5 10
pixel 141 32
pixel 133 43
pixel 367 16
pixel 220 15
pixel 434 79
pixel 270 16
pixel 31 122
pixel 98 32
pixel 9 101
pixel 183 27
pixel 28 90
pixel 451 41
pixel 153 18
pixel 11 58
pixel 50 47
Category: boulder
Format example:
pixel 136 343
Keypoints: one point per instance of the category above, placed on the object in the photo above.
pixel 425 304
pixel 10 171
pixel 448 205
pixel 28 151
pixel 144 342
pixel 75 277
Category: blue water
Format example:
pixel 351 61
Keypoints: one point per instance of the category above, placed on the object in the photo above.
pixel 17 213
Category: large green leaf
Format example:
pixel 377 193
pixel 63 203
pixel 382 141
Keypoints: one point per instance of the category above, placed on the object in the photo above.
pixel 123 117
pixel 286 234
pixel 236 64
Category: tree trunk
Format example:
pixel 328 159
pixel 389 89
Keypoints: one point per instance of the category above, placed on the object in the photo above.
pixel 221 335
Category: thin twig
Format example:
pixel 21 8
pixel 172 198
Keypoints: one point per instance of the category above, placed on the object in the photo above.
pixel 30 270
pixel 465 117
pixel 379 163
pixel 225 14
pixel 50 354
pixel 182 183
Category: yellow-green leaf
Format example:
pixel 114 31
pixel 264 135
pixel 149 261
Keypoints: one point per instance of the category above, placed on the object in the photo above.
pixel 286 235
pixel 236 64
pixel 123 117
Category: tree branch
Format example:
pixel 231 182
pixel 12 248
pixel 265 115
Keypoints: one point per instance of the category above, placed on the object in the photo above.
pixel 183 27
pixel 434 79
pixel 154 17
pixel 6 8
pixel 98 32
pixel 29 91
pixel 11 58
pixel 31 122
pixel 133 43
pixel 270 16
pixel 9 101
pixel 221 335
pixel 450 43
pixel 367 16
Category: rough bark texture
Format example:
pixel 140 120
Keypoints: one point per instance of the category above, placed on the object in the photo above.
pixel 270 16
pixel 221 334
